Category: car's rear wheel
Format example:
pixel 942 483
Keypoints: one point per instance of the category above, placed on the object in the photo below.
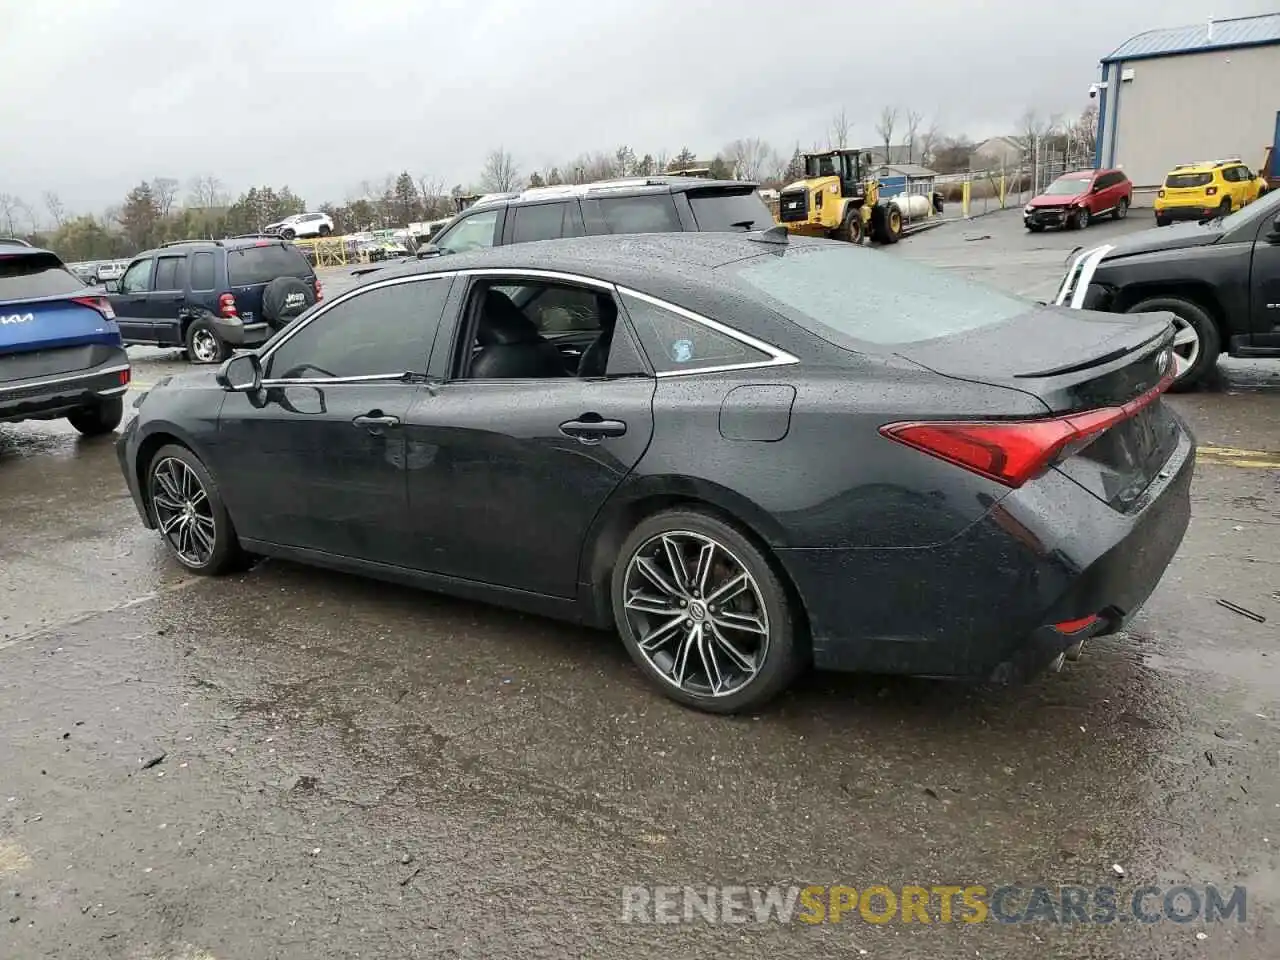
pixel 325 230
pixel 189 512
pixel 1224 208
pixel 1162 221
pixel 703 613
pixel 1196 342
pixel 1122 209
pixel 102 417
pixel 204 344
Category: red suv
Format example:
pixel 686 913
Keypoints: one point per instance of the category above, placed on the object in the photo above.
pixel 1074 199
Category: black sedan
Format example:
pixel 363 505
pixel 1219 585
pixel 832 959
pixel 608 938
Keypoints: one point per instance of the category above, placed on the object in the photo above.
pixel 743 452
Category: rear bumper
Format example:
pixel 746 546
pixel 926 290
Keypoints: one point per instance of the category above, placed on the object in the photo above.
pixel 240 334
pixel 981 606
pixel 1197 212
pixel 50 397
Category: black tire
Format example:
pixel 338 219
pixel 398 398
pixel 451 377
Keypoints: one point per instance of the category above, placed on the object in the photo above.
pixel 892 224
pixel 289 233
pixel 1224 208
pixel 204 343
pixel 1162 221
pixel 1079 219
pixel 285 298
pixel 1206 330
pixel 1122 209
pixel 850 231
pixel 101 418
pixel 325 230
pixel 783 651
pixel 225 554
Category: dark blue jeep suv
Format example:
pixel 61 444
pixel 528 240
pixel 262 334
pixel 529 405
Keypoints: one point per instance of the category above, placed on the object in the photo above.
pixel 60 349
pixel 211 296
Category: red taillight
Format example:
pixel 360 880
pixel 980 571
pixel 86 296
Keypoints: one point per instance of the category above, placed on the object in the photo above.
pixel 1075 626
pixel 101 304
pixel 227 305
pixel 124 377
pixel 319 290
pixel 1210 191
pixel 1015 451
pixel 262 243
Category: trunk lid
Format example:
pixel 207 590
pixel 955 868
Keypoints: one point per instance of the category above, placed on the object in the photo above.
pixel 251 267
pixel 44 307
pixel 1077 362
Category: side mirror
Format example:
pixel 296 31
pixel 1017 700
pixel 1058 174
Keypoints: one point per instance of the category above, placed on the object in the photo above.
pixel 429 250
pixel 112 286
pixel 241 374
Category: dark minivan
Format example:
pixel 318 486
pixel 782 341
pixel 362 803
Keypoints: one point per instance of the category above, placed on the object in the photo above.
pixel 211 296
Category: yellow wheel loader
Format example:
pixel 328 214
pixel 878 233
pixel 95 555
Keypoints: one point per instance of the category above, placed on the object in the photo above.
pixel 839 198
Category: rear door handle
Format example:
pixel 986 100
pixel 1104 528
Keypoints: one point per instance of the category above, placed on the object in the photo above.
pixel 375 421
pixel 593 430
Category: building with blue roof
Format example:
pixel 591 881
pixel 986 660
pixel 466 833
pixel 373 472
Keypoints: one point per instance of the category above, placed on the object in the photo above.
pixel 1189 94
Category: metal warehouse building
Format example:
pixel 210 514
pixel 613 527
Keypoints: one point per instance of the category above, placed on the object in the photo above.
pixel 1190 94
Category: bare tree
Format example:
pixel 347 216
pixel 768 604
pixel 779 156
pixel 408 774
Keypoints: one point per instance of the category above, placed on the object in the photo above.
pixel 749 159
pixel 840 129
pixel 1032 131
pixel 500 172
pixel 914 119
pixel 928 143
pixel 885 127
pixel 53 203
pixel 205 191
pixel 435 196
pixel 10 207
pixel 165 190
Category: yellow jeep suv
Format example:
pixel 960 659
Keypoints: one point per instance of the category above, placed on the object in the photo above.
pixel 1194 191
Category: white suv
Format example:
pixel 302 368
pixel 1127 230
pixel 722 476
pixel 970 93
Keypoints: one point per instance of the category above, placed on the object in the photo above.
pixel 301 225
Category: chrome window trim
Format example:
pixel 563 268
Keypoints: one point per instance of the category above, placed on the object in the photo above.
pixel 338 381
pixel 340 299
pixel 69 378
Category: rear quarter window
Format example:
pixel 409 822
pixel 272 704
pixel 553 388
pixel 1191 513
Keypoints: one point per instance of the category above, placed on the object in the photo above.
pixel 35 275
pixel 247 266
pixel 650 213
pixel 724 211
pixel 853 297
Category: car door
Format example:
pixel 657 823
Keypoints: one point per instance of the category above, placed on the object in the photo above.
pixel 510 471
pixel 544 221
pixel 130 302
pixel 316 459
pixel 1264 286
pixel 167 299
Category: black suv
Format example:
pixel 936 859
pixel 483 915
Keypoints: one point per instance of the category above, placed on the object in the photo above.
pixel 664 204
pixel 211 296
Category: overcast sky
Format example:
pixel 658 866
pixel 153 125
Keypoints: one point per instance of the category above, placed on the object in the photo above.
pixel 324 94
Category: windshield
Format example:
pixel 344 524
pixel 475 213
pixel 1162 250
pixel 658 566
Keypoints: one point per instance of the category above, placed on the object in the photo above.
pixel 851 297
pixel 821 167
pixel 1068 187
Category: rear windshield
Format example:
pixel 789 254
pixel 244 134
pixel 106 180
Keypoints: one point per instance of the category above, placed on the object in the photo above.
pixel 1189 180
pixel 35 275
pixel 250 265
pixel 852 297
pixel 722 210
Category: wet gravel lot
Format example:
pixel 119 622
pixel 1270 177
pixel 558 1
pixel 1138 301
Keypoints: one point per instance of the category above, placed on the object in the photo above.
pixel 293 763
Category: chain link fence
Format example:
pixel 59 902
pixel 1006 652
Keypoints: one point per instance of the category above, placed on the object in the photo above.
pixel 1008 186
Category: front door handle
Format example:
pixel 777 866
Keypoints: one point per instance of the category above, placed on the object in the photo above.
pixel 375 421
pixel 592 429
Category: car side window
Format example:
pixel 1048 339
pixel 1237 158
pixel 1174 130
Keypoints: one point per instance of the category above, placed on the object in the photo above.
pixel 545 221
pixel 1232 174
pixel 674 342
pixel 202 271
pixel 137 279
pixel 380 332
pixel 534 330
pixel 167 274
pixel 474 233
pixel 649 213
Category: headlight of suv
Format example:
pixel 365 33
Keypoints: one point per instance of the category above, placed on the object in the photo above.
pixel 1028 210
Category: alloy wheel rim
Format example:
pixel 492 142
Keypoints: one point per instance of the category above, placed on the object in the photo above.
pixel 697 614
pixel 1186 346
pixel 1124 209
pixel 183 511
pixel 204 346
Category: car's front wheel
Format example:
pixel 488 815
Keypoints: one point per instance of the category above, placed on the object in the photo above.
pixel 1196 342
pixel 189 512
pixel 1080 218
pixel 102 417
pixel 703 613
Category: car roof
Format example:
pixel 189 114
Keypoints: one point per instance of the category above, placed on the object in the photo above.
pixel 231 243
pixel 602 188
pixel 642 261
pixel 1207 166
pixel 26 250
